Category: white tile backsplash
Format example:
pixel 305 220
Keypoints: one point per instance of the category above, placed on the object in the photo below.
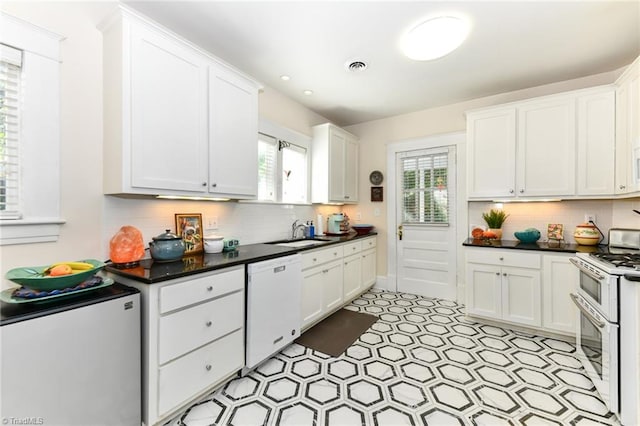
pixel 247 222
pixel 539 214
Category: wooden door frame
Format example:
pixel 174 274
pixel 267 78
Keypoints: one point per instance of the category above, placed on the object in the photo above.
pixel 457 139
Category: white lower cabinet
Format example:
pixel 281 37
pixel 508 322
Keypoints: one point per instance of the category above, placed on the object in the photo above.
pixel 560 279
pixel 193 338
pixel 522 288
pixel 333 276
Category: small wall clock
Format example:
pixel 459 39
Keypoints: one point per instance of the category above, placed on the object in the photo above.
pixel 376 177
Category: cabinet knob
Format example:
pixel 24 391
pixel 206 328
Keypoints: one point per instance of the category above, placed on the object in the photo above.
pixel 335 253
pixel 208 367
pixel 214 185
pixel 504 274
pixel 325 271
pixel 502 258
pixel 498 273
pixel 522 191
pixel 210 288
pixel 208 323
pixel 622 187
pixel 346 197
pixel 511 191
pixel 315 260
pixel 204 183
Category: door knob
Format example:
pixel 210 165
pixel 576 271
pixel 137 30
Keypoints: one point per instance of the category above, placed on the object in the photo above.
pixel 400 232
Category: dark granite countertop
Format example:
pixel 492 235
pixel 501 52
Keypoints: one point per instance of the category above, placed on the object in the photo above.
pixel 152 272
pixel 543 246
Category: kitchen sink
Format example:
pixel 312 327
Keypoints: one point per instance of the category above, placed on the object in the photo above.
pixel 300 243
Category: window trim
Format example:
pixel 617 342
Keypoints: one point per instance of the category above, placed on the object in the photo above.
pixel 279 132
pixel 41 219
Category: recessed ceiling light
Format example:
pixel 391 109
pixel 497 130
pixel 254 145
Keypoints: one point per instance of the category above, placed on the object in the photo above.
pixel 285 77
pixel 308 92
pixel 435 37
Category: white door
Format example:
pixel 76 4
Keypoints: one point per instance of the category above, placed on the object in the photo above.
pixel 425 222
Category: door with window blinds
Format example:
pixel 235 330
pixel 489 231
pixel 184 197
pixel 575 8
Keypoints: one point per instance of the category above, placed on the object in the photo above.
pixel 10 63
pixel 426 249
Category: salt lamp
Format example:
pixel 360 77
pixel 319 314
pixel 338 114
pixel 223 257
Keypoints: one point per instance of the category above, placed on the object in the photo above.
pixel 127 246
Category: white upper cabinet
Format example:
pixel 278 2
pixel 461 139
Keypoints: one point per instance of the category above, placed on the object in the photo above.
pixel 233 130
pixel 596 143
pixel 542 147
pixel 491 147
pixel 545 148
pixel 334 165
pixel 169 107
pixel 627 157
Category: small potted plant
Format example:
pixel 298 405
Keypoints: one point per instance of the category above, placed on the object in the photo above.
pixel 495 218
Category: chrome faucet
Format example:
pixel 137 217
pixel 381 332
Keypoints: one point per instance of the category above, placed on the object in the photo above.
pixel 294 228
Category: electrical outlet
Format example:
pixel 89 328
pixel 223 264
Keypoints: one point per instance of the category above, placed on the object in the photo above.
pixel 358 216
pixel 212 222
pixel 589 217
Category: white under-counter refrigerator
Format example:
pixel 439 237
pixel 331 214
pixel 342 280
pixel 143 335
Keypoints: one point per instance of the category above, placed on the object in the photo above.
pixel 74 360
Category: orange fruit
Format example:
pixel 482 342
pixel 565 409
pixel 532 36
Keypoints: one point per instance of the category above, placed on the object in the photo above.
pixel 56 271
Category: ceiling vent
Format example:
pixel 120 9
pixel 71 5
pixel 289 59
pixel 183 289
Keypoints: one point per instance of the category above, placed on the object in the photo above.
pixel 356 65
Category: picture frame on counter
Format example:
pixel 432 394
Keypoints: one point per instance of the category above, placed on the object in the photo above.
pixel 555 231
pixel 189 227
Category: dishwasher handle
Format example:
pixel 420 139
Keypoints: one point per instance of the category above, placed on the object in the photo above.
pixel 279 269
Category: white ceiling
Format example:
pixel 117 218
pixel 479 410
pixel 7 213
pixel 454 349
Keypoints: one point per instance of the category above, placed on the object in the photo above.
pixel 512 45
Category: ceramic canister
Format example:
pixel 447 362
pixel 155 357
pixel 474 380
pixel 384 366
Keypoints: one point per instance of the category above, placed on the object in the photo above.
pixel 586 234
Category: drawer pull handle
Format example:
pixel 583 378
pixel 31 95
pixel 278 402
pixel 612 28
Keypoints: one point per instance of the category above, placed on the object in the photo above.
pixel 210 288
pixel 208 367
pixel 278 339
pixel 208 323
pixel 325 271
pixel 279 269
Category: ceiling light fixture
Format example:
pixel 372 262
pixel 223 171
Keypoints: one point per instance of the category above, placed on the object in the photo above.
pixel 285 77
pixel 435 37
pixel 308 92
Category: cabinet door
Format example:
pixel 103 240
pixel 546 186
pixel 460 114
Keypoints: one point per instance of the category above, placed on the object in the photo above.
pixel 546 148
pixel 369 273
pixel 312 295
pixel 337 143
pixel 233 134
pixel 521 296
pixel 484 291
pixel 351 171
pixel 332 282
pixel 352 275
pixel 491 155
pixel 596 144
pixel 560 279
pixel 168 113
pixel 624 159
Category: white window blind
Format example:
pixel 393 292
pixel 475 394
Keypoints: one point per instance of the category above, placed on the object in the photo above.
pixel 294 174
pixel 425 188
pixel 10 69
pixel 267 155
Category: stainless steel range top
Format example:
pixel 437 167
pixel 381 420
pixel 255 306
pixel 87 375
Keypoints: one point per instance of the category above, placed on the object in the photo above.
pixel 620 260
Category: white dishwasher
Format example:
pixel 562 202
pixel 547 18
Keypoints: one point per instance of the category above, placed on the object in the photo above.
pixel 273 307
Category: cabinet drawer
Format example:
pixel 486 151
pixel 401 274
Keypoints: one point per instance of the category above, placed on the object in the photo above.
pixel 196 290
pixel 352 248
pixel 368 243
pixel 318 257
pixel 183 378
pixel 183 331
pixel 490 256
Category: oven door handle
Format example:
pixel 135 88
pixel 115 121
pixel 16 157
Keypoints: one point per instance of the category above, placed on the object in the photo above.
pixel 592 274
pixel 593 320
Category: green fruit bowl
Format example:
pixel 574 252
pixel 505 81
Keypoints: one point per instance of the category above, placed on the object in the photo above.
pixel 528 236
pixel 33 277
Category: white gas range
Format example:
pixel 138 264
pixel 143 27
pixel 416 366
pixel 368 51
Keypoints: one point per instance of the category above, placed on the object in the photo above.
pixel 608 329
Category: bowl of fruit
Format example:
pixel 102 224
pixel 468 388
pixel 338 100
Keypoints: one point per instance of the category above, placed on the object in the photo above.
pixel 56 276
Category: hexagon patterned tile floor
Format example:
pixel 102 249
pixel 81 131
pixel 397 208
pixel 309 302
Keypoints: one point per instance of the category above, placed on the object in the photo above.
pixel 422 363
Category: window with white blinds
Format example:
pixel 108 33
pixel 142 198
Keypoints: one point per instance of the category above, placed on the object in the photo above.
pixel 425 188
pixel 282 170
pixel 267 154
pixel 10 68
